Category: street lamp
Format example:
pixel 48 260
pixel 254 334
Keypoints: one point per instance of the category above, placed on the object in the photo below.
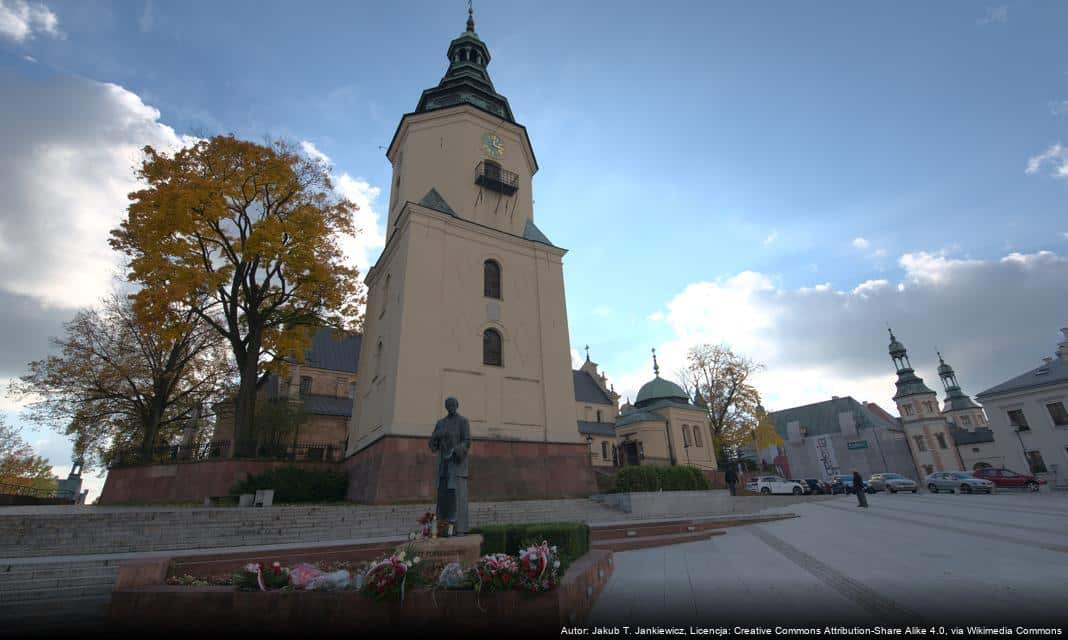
pixel 589 446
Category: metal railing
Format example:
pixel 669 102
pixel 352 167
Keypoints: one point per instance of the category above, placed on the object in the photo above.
pixel 492 176
pixel 169 454
pixel 13 489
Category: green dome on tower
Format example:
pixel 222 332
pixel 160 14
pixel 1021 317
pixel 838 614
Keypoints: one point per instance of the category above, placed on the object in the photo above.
pixel 660 389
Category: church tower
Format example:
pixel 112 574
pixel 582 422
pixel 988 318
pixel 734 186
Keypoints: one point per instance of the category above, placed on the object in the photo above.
pixel 958 408
pixel 926 428
pixel 466 300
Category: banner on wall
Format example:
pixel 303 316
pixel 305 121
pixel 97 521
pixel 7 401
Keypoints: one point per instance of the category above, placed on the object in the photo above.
pixel 828 462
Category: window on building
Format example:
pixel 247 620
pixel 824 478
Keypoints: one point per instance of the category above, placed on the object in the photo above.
pixel 604 449
pixel 906 409
pixel 1018 420
pixel 598 415
pixel 340 389
pixel 697 437
pixel 929 406
pixel 1057 412
pixel 920 444
pixel 966 421
pixel 491 348
pixel 284 388
pixel 1034 460
pixel 305 385
pixel 352 389
pixel 491 279
pixel 941 438
pixel 685 435
pixel 378 359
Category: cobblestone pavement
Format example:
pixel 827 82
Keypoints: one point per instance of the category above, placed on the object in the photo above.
pixel 922 559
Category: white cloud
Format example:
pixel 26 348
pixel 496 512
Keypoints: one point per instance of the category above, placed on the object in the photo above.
pixel 995 14
pixel 370 236
pixel 771 238
pixel 71 146
pixel 21 20
pixel 656 316
pixel 1064 234
pixel 576 359
pixel 993 319
pixel 860 243
pixel 1058 108
pixel 1056 156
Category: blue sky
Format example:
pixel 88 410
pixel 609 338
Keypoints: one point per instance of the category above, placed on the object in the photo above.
pixel 718 171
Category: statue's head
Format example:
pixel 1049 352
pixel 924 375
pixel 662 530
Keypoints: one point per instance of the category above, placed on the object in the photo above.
pixel 451 405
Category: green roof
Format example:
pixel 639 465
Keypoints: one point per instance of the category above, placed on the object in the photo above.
pixel 658 388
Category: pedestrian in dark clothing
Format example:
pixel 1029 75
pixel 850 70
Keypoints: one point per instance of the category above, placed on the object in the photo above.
pixel 731 477
pixel 858 486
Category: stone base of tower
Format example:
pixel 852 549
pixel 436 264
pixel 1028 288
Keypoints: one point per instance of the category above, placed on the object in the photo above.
pixel 402 469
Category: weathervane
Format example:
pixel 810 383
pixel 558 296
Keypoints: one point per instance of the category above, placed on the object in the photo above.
pixel 587 353
pixel 656 367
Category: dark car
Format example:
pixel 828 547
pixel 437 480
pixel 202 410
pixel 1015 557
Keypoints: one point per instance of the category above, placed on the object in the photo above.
pixel 844 484
pixel 1006 479
pixel 816 487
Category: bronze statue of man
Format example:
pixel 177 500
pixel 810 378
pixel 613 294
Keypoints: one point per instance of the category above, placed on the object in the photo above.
pixel 452 441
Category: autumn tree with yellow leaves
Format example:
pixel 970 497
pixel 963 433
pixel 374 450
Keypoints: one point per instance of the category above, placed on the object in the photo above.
pixel 246 237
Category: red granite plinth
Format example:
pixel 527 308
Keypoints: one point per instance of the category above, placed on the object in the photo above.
pixel 401 469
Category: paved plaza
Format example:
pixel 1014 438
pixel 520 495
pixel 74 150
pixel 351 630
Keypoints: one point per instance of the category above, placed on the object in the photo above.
pixel 908 559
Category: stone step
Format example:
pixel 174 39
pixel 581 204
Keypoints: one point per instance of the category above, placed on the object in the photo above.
pixel 60 592
pixel 647 542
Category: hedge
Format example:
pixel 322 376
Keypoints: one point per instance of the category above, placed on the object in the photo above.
pixel 572 539
pixel 293 484
pixel 653 477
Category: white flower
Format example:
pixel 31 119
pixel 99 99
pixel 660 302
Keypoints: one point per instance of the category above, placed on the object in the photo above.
pixel 553 549
pixel 400 556
pixel 556 564
pixel 412 536
pixel 415 560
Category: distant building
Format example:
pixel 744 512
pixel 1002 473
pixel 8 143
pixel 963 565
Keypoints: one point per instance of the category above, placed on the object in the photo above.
pixel 839 436
pixel 973 439
pixel 597 406
pixel 927 429
pixel 1029 417
pixel 664 427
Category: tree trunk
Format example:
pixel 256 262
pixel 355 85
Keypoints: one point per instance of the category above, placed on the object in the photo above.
pixel 151 428
pixel 245 408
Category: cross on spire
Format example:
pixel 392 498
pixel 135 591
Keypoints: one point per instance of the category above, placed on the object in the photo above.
pixel 470 17
pixel 656 367
pixel 587 353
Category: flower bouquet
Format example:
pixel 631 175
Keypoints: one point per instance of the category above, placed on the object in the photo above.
pixel 539 568
pixel 254 576
pixel 495 572
pixel 387 578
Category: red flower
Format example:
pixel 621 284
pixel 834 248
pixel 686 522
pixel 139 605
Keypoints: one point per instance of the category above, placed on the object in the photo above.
pixel 485 578
pixel 552 585
pixel 504 578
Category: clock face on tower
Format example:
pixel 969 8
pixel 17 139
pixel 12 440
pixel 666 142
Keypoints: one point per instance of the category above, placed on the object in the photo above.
pixel 493 145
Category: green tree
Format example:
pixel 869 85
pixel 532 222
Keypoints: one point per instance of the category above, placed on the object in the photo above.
pixel 19 464
pixel 117 383
pixel 246 237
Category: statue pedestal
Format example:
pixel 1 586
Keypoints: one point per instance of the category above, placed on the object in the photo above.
pixel 435 553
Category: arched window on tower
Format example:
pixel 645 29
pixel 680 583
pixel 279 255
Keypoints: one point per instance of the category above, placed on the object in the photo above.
pixel 604 449
pixel 491 348
pixel 686 435
pixel 697 437
pixel 491 279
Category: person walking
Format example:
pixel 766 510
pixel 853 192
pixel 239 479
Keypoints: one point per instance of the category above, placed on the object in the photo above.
pixel 731 477
pixel 858 486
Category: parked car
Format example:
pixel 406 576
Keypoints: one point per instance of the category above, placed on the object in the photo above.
pixel 1006 479
pixel 804 485
pixel 768 485
pixel 959 482
pixel 843 483
pixel 891 482
pixel 816 486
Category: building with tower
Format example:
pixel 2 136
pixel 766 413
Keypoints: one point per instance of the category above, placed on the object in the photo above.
pixel 466 300
pixel 926 429
pixel 597 406
pixel 973 438
pixel 664 426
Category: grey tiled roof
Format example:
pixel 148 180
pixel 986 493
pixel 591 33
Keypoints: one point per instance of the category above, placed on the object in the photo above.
pixel 597 428
pixel 979 436
pixel 637 416
pixel 433 200
pixel 328 352
pixel 587 389
pixel 821 418
pixel 1057 373
pixel 532 232
pixel 327 406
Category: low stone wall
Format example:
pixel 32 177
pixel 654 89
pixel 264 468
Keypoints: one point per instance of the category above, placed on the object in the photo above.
pixel 187 481
pixel 400 469
pixel 143 603
pixel 705 503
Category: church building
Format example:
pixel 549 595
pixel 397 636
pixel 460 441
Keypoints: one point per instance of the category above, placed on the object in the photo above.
pixel 466 300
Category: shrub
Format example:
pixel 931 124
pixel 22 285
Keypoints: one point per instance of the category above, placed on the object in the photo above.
pixel 293 484
pixel 571 539
pixel 650 477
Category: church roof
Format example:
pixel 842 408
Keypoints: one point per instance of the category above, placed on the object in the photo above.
pixel 466 81
pixel 328 352
pixel 979 436
pixel 327 405
pixel 657 389
pixel 606 429
pixel 433 200
pixel 1050 373
pixel 821 418
pixel 637 415
pixel 587 389
pixel 532 232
